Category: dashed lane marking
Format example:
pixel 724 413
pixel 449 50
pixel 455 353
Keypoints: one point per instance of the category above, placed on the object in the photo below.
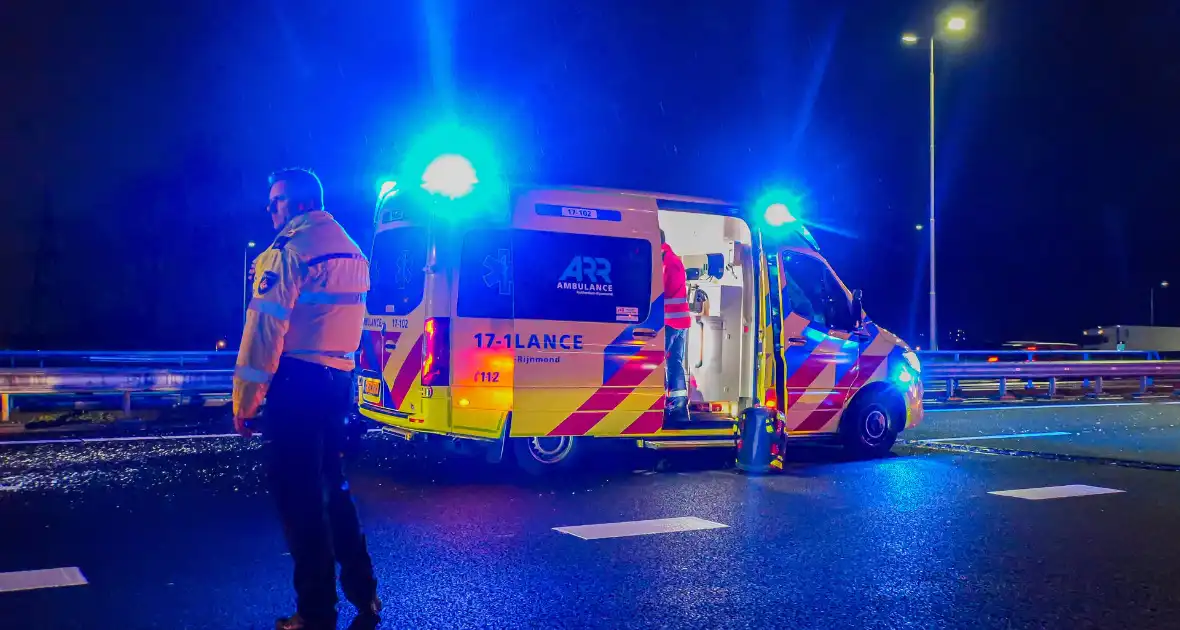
pixel 1055 492
pixel 41 578
pixel 1004 436
pixel 639 528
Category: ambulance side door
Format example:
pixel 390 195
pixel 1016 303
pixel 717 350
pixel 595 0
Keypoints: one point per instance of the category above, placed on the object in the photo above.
pixel 588 328
pixel 483 358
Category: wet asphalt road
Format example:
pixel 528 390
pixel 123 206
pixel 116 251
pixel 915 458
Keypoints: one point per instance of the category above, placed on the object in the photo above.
pixel 178 534
pixel 1145 432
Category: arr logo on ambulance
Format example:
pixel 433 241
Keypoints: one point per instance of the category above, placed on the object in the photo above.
pixel 586 275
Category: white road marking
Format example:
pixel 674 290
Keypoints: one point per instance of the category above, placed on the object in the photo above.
pixel 639 528
pixel 1017 406
pixel 41 578
pixel 1055 492
pixel 1004 436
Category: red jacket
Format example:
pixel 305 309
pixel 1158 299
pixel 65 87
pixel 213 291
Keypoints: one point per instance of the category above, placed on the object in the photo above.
pixel 676 313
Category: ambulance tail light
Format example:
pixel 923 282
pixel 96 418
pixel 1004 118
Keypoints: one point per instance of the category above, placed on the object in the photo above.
pixel 436 355
pixel 770 401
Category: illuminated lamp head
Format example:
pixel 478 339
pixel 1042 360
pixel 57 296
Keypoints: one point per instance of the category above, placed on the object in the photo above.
pixel 450 176
pixel 777 215
pixel 386 189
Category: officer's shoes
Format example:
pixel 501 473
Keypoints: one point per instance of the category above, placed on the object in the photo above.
pixel 367 617
pixel 297 622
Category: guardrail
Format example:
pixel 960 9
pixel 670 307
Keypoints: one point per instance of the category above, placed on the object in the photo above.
pixel 71 358
pixel 130 373
pixel 107 381
pixel 1052 372
pixel 1002 356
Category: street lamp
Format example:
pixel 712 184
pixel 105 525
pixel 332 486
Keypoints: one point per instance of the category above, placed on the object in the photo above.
pixel 1162 285
pixel 951 23
pixel 246 278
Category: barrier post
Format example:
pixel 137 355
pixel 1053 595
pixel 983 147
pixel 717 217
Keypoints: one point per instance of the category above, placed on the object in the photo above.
pixel 127 404
pixel 5 408
pixel 1097 386
pixel 1003 394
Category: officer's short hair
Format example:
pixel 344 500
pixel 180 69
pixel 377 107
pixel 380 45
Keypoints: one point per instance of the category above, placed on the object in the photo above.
pixel 302 186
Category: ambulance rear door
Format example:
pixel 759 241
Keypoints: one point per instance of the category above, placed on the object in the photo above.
pixel 391 347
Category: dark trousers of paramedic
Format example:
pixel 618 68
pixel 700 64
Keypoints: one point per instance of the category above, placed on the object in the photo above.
pixel 675 383
pixel 304 436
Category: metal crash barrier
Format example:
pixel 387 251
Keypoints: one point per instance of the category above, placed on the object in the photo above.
pixel 126 382
pixel 1090 376
pixel 946 375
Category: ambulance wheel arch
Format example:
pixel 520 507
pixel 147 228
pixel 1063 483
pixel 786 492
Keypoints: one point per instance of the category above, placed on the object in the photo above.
pixel 546 455
pixel 871 421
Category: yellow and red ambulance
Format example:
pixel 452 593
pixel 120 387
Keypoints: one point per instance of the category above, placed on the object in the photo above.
pixel 530 320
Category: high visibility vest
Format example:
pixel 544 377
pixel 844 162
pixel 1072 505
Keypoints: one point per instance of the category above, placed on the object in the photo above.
pixel 676 313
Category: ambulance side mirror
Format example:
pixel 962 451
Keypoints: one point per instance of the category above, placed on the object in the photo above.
pixel 857 307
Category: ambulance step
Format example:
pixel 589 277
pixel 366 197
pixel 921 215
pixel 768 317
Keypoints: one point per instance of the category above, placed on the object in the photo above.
pixel 663 445
pixel 701 421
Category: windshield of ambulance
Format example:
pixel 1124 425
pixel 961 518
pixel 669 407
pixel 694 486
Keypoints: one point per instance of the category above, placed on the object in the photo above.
pixel 398 260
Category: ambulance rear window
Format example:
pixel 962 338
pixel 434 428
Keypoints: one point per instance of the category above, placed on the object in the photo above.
pixel 397 275
pixel 555 276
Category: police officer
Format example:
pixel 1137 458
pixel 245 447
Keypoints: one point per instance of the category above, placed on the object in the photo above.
pixel 302 328
pixel 677 319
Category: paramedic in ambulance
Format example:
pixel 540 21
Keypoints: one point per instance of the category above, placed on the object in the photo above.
pixel 302 328
pixel 677 320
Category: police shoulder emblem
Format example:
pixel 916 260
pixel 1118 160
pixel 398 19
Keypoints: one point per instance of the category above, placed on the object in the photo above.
pixel 268 281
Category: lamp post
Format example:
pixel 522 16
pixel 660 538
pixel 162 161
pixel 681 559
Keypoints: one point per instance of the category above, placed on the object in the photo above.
pixel 953 22
pixel 1162 285
pixel 246 278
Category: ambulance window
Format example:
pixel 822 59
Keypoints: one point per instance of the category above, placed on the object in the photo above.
pixel 581 277
pixel 812 292
pixel 485 275
pixel 397 271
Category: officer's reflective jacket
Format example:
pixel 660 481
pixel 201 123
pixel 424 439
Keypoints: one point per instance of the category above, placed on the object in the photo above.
pixel 308 304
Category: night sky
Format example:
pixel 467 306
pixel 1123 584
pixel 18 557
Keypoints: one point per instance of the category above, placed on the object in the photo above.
pixel 137 137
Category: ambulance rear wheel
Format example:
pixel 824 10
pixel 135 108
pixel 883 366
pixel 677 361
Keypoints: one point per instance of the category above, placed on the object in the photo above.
pixel 547 455
pixel 869 426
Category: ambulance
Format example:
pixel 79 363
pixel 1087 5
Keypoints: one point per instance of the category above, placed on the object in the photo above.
pixel 527 322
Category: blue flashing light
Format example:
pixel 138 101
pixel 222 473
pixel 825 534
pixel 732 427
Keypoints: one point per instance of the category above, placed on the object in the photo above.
pixel 449 175
pixel 778 214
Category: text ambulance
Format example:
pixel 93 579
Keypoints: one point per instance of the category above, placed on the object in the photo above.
pixel 530 321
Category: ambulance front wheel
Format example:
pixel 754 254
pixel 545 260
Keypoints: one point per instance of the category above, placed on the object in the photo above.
pixel 547 455
pixel 869 426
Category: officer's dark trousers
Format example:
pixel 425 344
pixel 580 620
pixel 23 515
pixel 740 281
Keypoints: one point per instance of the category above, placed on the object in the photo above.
pixel 303 432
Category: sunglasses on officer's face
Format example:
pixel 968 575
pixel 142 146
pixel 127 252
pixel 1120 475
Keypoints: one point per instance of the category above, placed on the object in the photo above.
pixel 273 206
